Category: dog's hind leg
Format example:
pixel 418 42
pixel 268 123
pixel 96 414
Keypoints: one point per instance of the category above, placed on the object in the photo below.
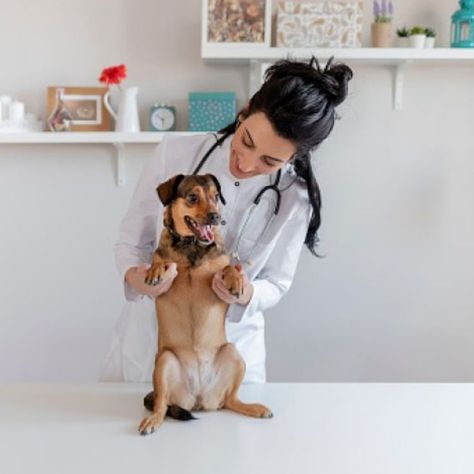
pixel 232 370
pixel 167 368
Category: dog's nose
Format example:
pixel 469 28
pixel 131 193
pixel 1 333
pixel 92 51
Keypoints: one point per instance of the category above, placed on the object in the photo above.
pixel 213 218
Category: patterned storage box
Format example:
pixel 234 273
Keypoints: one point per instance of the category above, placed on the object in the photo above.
pixel 319 23
pixel 211 111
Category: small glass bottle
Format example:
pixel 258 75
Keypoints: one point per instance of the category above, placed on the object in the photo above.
pixel 60 119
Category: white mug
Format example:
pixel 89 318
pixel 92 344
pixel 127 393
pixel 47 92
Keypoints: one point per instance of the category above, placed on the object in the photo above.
pixel 4 102
pixel 16 111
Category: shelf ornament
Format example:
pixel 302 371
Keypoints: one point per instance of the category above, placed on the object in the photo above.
pixel 381 28
pixel 462 26
pixel 126 118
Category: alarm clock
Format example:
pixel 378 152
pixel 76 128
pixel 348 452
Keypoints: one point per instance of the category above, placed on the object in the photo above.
pixel 162 118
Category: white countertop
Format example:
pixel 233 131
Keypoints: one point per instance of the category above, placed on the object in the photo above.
pixel 317 428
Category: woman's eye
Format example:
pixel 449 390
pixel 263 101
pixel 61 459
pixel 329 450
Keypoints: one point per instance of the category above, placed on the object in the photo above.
pixel 192 198
pixel 248 145
pixel 268 162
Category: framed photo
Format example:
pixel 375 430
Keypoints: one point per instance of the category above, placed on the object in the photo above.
pixel 236 23
pixel 86 106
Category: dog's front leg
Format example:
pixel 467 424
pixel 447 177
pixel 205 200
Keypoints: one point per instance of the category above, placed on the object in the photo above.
pixel 157 270
pixel 233 280
pixel 166 366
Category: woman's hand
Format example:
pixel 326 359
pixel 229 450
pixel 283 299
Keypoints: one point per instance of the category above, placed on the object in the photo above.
pixel 223 293
pixel 135 277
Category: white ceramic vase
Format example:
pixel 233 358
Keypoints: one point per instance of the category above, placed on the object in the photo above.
pixel 417 41
pixel 429 42
pixel 126 118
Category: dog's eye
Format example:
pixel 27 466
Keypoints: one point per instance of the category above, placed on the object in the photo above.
pixel 192 198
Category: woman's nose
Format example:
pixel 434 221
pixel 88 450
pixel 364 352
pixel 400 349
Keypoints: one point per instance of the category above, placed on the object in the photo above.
pixel 247 163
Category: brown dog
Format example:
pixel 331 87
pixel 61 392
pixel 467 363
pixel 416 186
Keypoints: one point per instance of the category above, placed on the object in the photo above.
pixel 195 367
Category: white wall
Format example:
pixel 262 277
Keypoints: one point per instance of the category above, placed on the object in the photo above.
pixel 390 301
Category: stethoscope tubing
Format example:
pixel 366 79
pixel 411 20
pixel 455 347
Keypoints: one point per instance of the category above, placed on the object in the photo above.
pixel 271 187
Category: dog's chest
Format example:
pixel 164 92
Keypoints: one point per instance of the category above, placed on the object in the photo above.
pixel 189 313
pixel 194 283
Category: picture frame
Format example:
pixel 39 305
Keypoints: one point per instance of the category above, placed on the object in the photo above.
pixel 236 23
pixel 85 104
pixel 319 23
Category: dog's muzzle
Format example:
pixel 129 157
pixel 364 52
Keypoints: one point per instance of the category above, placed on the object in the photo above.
pixel 203 232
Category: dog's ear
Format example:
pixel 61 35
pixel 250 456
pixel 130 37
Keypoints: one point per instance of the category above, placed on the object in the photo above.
pixel 218 187
pixel 167 190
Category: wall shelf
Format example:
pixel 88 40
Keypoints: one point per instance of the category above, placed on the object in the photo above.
pixel 117 139
pixel 361 56
pixel 85 137
pixel 396 58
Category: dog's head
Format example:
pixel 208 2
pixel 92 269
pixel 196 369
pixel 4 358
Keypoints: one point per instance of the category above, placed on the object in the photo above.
pixel 192 206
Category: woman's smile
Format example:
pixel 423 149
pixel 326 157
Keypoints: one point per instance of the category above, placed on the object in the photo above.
pixel 257 149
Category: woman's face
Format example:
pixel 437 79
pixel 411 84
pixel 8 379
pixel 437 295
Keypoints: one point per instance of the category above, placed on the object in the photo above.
pixel 257 149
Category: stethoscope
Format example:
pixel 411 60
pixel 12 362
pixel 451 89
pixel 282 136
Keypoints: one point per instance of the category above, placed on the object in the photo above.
pixel 273 187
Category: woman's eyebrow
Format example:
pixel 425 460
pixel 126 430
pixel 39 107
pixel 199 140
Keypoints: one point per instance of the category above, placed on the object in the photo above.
pixel 253 144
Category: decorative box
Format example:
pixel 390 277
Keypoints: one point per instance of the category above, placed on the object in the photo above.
pixel 211 111
pixel 319 23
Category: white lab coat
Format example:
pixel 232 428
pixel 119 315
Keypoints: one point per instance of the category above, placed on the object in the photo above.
pixel 269 255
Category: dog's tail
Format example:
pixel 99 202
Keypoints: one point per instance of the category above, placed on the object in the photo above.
pixel 178 413
pixel 173 411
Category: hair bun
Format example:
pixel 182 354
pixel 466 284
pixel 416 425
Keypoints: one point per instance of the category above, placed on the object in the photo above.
pixel 333 79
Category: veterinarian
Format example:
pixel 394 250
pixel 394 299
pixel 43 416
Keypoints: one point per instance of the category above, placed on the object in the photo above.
pixel 272 209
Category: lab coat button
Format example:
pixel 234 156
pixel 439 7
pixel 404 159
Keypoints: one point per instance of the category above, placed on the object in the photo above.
pixel 237 183
pixel 223 222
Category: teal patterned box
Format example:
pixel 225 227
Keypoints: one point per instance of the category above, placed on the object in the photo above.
pixel 211 111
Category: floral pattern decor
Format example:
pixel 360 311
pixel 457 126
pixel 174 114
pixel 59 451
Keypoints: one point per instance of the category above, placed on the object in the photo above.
pixel 319 23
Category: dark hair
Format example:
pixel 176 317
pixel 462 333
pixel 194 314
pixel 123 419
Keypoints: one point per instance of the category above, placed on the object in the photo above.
pixel 299 100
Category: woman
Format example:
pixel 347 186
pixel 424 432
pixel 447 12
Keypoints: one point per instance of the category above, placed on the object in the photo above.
pixel 272 208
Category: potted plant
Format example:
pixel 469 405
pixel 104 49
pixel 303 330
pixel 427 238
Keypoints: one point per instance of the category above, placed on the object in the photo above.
pixel 402 37
pixel 417 37
pixel 430 37
pixel 381 28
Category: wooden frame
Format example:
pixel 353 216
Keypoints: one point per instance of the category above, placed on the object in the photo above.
pixel 249 25
pixel 85 104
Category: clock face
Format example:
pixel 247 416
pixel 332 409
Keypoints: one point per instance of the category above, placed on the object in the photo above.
pixel 162 118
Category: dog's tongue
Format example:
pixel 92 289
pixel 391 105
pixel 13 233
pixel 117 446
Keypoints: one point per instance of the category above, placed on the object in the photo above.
pixel 206 232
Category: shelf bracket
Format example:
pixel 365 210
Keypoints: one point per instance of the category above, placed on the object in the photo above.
pixel 120 158
pixel 398 81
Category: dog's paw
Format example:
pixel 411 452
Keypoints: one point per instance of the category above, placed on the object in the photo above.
pixel 150 424
pixel 261 411
pixel 233 280
pixel 155 274
pixel 266 412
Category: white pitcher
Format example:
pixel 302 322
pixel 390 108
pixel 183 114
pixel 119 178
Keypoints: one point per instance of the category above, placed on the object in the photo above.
pixel 126 119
